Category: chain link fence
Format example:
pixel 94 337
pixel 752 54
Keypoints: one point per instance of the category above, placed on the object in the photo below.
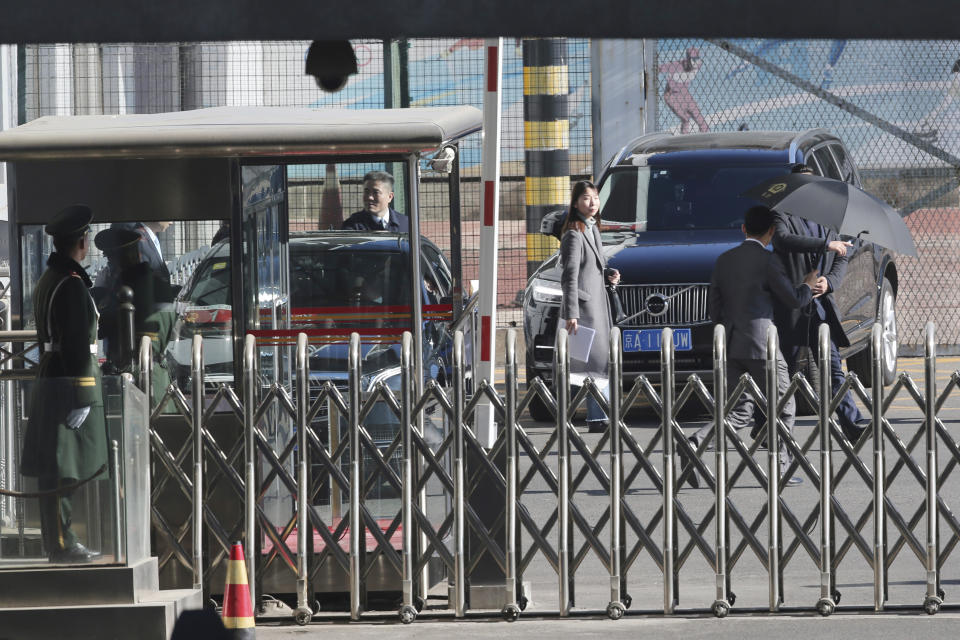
pixel 896 106
pixel 79 79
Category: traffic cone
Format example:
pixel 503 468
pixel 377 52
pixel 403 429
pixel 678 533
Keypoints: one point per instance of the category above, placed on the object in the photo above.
pixel 331 209
pixel 237 609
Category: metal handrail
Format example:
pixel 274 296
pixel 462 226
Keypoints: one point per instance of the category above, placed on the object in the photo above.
pixel 457 325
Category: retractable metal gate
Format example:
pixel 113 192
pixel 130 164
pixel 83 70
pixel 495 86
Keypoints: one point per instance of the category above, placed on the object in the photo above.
pixel 636 523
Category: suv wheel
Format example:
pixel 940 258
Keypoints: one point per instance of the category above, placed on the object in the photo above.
pixel 539 411
pixel 859 363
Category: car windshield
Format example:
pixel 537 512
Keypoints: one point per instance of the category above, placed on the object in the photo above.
pixel 340 278
pixel 677 198
pixel 318 279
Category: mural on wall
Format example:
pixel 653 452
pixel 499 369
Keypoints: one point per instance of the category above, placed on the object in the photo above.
pixel 910 89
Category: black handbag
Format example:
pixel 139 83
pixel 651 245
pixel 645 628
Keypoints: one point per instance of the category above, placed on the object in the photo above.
pixel 617 314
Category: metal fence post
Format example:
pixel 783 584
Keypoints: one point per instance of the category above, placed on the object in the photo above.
pixel 670 587
pixel 198 397
pixel 511 611
pixel 408 612
pixel 356 455
pixel 828 601
pixel 118 537
pixel 616 608
pixel 561 368
pixel 773 471
pixel 146 370
pixel 249 453
pixel 459 512
pixel 934 597
pixel 879 472
pixel 303 612
pixel 723 603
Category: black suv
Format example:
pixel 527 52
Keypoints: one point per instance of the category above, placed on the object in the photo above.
pixel 669 206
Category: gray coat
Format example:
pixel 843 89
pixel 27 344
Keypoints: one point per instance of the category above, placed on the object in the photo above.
pixel 584 295
pixel 747 281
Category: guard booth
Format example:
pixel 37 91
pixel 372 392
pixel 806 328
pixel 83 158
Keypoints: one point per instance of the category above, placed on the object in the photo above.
pixel 256 199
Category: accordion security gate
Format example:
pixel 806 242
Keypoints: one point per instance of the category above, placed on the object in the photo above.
pixel 537 480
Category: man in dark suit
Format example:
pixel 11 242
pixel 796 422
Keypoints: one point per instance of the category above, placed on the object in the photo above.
pixel 805 246
pixel 747 283
pixel 150 253
pixel 377 214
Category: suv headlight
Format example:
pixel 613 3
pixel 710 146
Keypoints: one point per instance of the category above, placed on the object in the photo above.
pixel 547 291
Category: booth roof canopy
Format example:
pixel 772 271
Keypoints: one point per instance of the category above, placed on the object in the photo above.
pixel 239 131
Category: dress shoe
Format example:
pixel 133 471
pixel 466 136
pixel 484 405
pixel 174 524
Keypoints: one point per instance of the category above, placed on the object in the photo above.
pixel 856 431
pixel 597 426
pixel 77 554
pixel 686 463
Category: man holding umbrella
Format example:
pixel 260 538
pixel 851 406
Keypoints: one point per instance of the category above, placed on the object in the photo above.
pixel 806 246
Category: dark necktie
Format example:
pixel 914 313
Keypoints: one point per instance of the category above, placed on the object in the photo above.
pixel 818 232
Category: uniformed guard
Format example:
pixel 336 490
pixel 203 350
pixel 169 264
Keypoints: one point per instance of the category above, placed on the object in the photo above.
pixel 152 301
pixel 66 442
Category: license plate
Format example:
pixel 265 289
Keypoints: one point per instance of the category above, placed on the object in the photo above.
pixel 649 340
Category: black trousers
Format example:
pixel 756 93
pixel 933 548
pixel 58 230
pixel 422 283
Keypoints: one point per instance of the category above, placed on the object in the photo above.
pixel 56 514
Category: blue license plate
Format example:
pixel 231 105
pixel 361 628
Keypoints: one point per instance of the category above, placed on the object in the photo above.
pixel 649 340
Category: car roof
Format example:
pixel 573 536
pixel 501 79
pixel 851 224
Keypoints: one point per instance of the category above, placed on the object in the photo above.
pixel 774 143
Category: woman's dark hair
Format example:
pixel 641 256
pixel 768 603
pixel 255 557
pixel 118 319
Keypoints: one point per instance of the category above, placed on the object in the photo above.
pixel 573 221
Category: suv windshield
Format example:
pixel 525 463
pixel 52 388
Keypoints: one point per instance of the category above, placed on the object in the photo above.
pixel 680 197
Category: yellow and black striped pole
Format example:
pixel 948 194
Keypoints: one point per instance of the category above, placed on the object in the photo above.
pixel 546 138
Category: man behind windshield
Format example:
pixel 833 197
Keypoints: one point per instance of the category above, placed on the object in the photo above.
pixel 377 214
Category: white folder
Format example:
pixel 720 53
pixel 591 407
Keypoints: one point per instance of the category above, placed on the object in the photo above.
pixel 580 342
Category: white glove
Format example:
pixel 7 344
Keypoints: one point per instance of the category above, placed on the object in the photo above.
pixel 76 417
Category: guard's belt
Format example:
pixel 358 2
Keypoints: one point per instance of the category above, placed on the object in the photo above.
pixel 50 347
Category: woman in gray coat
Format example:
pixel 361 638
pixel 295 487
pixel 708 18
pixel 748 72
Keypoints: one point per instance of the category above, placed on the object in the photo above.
pixel 585 302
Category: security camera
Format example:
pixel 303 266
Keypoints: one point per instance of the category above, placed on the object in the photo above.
pixel 443 160
pixel 331 63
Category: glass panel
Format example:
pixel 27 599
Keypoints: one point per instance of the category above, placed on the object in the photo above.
pixel 165 293
pixel 135 450
pixel 87 513
pixel 267 304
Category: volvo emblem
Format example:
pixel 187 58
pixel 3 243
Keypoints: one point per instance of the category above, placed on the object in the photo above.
pixel 657 304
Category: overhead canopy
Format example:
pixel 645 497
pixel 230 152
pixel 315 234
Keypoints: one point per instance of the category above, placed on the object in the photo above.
pixel 238 131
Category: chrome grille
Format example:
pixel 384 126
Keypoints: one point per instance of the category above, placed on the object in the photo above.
pixel 685 304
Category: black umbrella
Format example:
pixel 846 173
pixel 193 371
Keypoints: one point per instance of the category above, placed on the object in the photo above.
pixel 846 209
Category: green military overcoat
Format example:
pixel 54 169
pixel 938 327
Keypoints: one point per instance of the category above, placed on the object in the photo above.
pixel 68 377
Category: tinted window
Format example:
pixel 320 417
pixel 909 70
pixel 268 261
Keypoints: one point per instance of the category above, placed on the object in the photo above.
pixel 440 269
pixel 210 284
pixel 348 278
pixel 683 197
pixel 826 163
pixel 843 161
pixel 814 165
